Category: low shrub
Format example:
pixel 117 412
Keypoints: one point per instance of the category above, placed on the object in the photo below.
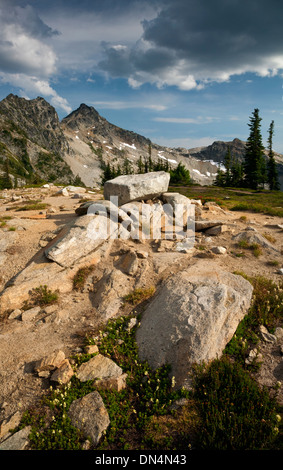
pixel 236 413
pixel 41 296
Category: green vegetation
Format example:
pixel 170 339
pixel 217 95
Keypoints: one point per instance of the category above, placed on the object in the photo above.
pixel 139 295
pixel 240 199
pixel 254 247
pixel 41 296
pixel 33 206
pixel 178 175
pixel 254 164
pixel 52 167
pixel 266 310
pixel 254 171
pixel 272 172
pixel 3 220
pixel 236 414
pixel 81 277
pixel 5 180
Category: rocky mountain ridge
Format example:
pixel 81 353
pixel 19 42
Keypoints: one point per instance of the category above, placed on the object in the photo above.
pixel 39 146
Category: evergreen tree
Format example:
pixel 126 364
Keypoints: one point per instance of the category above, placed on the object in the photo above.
pixel 127 167
pixel 150 163
pixel 237 173
pixel 140 166
pixel 180 175
pixel 5 181
pixel 220 178
pixel 254 165
pixel 272 173
pixel 107 173
pixel 227 164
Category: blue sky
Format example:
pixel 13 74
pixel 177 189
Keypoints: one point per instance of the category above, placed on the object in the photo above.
pixel 183 73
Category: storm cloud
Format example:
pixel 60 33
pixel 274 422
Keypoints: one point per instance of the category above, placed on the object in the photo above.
pixel 191 43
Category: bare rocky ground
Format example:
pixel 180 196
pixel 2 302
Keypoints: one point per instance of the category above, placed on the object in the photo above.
pixel 65 325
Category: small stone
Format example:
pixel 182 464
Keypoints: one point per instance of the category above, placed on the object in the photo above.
pixel 91 349
pixel 9 423
pixel 132 324
pixel 30 314
pixel 15 314
pixel 112 383
pixel 220 250
pixel 44 374
pixel 90 416
pixel 254 355
pixel 64 192
pixel 17 441
pixel 63 374
pixel 216 230
pixel 142 254
pixel 50 362
pixel 266 336
pixel 279 333
pixel 98 367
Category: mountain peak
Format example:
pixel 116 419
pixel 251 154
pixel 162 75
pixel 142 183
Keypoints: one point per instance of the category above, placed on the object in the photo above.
pixel 84 116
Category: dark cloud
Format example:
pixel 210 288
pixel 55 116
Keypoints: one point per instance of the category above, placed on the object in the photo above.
pixel 30 21
pixel 22 42
pixel 205 41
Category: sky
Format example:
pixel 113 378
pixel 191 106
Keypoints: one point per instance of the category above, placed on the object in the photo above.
pixel 183 73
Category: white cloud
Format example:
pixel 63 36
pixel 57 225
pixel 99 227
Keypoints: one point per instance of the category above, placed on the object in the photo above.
pixel 22 43
pixel 26 60
pixel 197 120
pixel 32 87
pixel 128 105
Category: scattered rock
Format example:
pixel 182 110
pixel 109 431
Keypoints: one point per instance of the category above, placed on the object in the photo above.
pixel 109 293
pixel 64 373
pixel 8 424
pixel 98 367
pixel 89 415
pixel 16 314
pixel 185 246
pixel 217 230
pixel 219 250
pixel 279 333
pixel 29 315
pixel 18 441
pixel 112 383
pixel 91 349
pixel 175 198
pixel 254 356
pixel 251 236
pixel 50 362
pixel 142 254
pixel 266 336
pixel 201 225
pixel 129 263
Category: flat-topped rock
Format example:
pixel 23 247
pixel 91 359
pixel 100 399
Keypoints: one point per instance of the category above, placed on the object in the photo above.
pixel 137 187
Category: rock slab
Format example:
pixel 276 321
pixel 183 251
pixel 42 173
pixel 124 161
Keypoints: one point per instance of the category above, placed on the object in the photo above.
pixel 192 318
pixel 137 187
pixel 89 415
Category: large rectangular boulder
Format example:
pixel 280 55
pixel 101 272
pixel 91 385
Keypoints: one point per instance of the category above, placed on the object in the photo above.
pixel 137 187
